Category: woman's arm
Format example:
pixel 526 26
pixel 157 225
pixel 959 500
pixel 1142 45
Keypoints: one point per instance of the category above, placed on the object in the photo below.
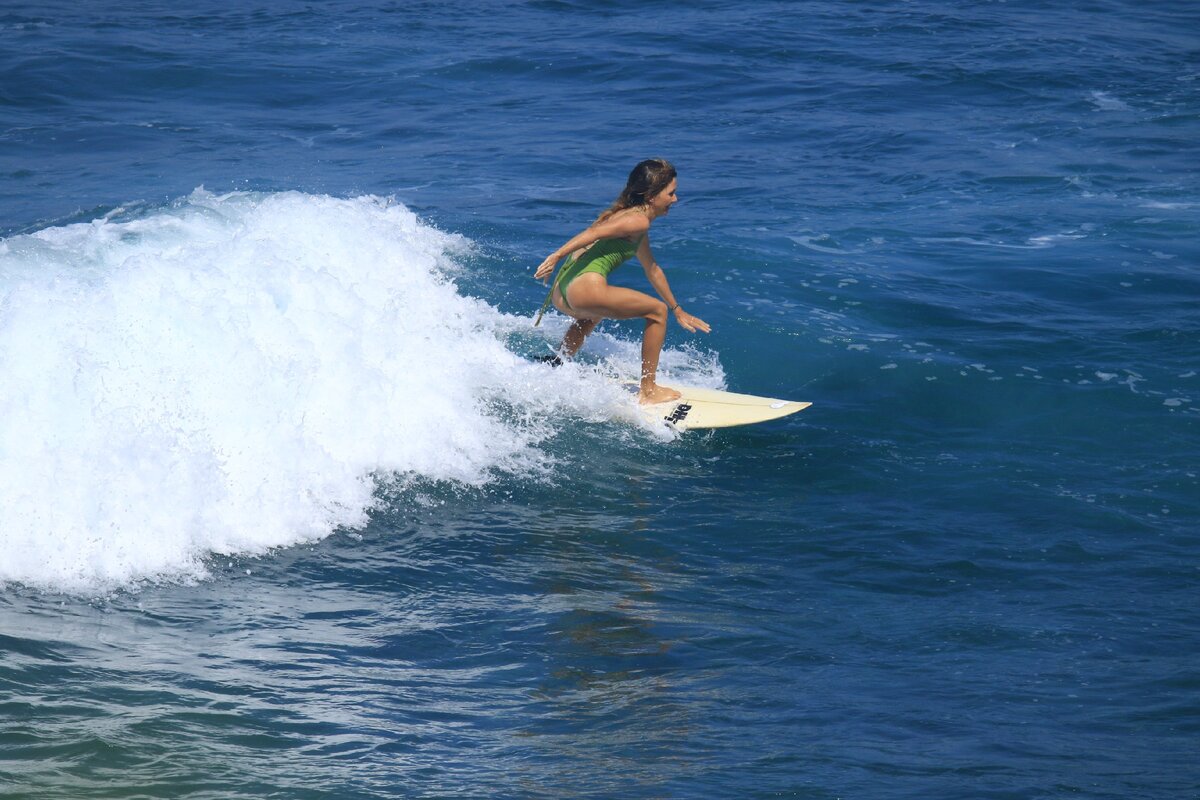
pixel 658 279
pixel 618 226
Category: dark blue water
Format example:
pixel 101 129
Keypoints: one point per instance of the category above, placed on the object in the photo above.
pixel 286 512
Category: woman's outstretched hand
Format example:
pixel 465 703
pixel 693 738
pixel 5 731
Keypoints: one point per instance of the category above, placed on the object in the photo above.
pixel 689 322
pixel 546 269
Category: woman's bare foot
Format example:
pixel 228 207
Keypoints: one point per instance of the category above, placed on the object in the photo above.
pixel 657 394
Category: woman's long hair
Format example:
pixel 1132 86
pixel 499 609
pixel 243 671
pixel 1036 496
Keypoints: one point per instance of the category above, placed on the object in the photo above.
pixel 646 180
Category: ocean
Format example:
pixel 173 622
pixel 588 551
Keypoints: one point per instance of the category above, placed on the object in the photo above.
pixel 287 510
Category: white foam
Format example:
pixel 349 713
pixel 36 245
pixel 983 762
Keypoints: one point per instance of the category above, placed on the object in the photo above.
pixel 1049 240
pixel 980 242
pixel 1168 206
pixel 1107 102
pixel 811 242
pixel 228 375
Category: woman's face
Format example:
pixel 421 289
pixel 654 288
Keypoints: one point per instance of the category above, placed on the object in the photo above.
pixel 661 203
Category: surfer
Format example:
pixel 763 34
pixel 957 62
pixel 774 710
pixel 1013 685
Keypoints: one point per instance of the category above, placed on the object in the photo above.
pixel 582 291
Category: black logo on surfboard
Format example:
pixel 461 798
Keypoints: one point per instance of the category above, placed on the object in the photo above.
pixel 679 413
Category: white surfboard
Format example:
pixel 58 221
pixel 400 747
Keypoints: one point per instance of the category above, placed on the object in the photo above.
pixel 712 408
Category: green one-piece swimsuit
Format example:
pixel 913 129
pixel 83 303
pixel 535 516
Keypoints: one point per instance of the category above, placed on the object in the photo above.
pixel 602 257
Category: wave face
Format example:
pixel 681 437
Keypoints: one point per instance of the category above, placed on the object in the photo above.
pixel 230 374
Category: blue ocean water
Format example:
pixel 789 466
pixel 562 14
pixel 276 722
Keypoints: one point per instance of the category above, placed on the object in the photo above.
pixel 285 510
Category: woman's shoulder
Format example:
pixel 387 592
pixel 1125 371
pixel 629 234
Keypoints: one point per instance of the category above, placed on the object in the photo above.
pixel 632 222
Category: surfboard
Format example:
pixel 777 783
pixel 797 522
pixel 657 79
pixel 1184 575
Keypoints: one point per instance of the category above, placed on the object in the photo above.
pixel 699 408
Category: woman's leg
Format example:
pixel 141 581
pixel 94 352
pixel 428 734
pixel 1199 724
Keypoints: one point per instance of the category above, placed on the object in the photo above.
pixel 592 298
pixel 573 340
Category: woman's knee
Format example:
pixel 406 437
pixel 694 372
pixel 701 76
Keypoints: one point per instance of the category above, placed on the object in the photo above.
pixel 658 313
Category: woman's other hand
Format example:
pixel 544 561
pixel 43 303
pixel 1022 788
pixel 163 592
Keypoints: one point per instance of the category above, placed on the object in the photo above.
pixel 689 322
pixel 546 268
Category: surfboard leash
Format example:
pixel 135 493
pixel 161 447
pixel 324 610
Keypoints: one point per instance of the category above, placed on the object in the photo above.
pixel 549 297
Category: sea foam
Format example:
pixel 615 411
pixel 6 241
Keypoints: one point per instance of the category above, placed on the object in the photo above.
pixel 232 373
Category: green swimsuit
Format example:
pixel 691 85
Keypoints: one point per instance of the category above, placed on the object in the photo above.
pixel 602 257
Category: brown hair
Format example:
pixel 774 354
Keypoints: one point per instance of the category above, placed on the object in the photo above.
pixel 646 180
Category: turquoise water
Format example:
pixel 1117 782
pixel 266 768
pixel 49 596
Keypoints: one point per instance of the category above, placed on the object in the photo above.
pixel 287 512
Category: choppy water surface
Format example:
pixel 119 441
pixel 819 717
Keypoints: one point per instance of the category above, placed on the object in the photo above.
pixel 287 512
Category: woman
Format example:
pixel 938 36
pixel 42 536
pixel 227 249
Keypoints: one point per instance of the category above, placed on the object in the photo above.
pixel 582 291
